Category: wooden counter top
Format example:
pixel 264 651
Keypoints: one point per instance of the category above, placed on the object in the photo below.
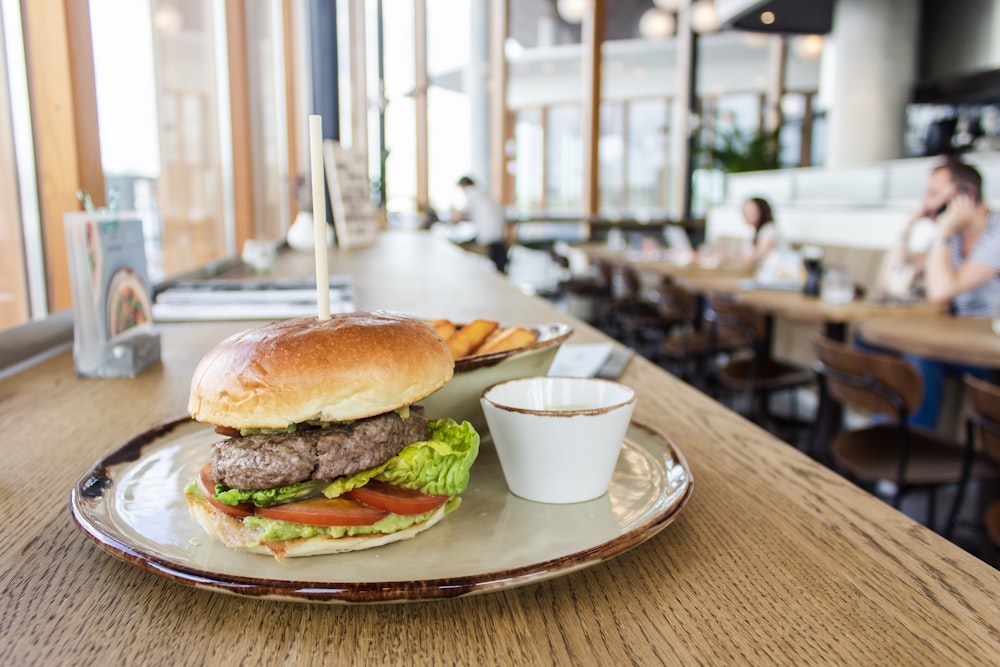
pixel 774 560
pixel 960 340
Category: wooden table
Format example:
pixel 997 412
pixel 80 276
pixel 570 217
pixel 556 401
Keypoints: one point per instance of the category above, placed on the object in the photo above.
pixel 961 340
pixel 774 560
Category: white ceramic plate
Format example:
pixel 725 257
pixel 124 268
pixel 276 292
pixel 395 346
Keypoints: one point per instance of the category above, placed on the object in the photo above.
pixel 132 505
pixel 459 398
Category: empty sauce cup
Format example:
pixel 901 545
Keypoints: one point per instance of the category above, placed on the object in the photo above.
pixel 558 438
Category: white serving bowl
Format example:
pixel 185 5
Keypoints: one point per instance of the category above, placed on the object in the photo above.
pixel 459 399
pixel 558 438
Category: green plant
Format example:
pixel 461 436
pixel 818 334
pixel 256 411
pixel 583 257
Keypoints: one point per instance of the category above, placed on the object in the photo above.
pixel 736 150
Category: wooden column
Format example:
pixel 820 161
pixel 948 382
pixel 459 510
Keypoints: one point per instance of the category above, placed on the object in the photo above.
pixel 590 121
pixel 497 88
pixel 776 66
pixel 63 98
pixel 808 117
pixel 239 102
pixel 420 84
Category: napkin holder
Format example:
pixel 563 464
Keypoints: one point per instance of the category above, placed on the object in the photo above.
pixel 113 334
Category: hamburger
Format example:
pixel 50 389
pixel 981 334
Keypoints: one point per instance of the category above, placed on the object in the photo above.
pixel 323 448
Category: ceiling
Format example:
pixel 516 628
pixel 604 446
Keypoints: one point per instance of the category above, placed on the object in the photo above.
pixel 806 17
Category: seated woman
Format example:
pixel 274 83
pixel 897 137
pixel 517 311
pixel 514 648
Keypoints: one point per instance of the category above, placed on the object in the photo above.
pixel 757 213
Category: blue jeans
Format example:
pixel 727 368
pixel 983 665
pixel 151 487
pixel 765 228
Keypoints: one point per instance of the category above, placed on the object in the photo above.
pixel 933 373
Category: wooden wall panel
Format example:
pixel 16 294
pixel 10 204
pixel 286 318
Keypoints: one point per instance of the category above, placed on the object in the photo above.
pixel 239 100
pixel 64 123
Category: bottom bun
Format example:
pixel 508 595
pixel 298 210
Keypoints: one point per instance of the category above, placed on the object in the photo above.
pixel 236 535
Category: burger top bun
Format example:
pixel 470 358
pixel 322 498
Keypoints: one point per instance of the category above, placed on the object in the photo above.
pixel 348 367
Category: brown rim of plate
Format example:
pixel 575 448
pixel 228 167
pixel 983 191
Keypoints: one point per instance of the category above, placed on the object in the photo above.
pixel 99 481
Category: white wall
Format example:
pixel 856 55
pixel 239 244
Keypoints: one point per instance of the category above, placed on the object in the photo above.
pixel 864 207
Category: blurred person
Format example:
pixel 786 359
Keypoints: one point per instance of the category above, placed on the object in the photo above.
pixel 961 268
pixel 489 219
pixel 758 214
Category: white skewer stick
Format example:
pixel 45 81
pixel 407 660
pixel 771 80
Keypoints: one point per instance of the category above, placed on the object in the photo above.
pixel 319 215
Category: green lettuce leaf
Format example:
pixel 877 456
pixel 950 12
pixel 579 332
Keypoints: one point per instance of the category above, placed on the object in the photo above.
pixel 268 497
pixel 439 465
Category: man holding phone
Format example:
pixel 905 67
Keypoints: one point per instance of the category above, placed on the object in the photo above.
pixel 963 263
pixel 961 267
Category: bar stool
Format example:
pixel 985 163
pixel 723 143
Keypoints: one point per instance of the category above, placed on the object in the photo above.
pixel 759 375
pixel 691 344
pixel 911 458
pixel 982 426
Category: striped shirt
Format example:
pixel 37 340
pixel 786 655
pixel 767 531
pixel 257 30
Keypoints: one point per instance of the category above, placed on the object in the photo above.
pixel 982 301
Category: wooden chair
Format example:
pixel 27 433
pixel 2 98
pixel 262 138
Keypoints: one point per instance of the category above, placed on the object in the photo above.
pixel 588 295
pixel 758 375
pixel 690 346
pixel 982 426
pixel 912 458
pixel 636 320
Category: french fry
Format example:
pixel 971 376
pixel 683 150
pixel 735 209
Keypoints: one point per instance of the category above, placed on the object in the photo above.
pixel 468 338
pixel 507 339
pixel 445 328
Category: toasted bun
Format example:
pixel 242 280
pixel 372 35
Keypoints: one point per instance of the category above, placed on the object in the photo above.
pixel 235 535
pixel 349 367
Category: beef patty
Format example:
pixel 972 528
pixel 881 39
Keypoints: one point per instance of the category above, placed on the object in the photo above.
pixel 268 461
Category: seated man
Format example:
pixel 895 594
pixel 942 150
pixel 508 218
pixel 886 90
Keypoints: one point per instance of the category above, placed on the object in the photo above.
pixel 961 268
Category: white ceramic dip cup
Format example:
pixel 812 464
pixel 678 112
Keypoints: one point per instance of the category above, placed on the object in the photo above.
pixel 558 438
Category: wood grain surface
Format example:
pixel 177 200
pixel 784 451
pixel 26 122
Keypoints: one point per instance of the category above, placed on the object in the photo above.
pixel 774 560
pixel 962 340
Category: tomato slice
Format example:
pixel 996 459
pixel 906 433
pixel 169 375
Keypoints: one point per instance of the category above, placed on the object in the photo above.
pixel 324 512
pixel 206 484
pixel 395 499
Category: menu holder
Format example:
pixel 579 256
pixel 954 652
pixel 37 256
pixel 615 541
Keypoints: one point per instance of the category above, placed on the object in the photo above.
pixel 113 334
pixel 256 299
pixel 354 216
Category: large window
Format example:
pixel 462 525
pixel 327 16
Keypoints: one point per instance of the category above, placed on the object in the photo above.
pixel 452 148
pixel 400 111
pixel 529 161
pixel 156 70
pixel 563 159
pixel 647 156
pixel 612 158
pixel 272 188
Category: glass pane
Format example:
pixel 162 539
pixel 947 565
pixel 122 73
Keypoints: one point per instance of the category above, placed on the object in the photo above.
pixel 793 110
pixel 265 67
pixel 647 156
pixel 564 163
pixel 156 74
pixel 400 113
pixel 612 157
pixel 528 150
pixel 448 156
pixel 13 279
pixel 451 99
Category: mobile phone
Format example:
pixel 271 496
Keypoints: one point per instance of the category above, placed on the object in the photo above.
pixel 962 190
